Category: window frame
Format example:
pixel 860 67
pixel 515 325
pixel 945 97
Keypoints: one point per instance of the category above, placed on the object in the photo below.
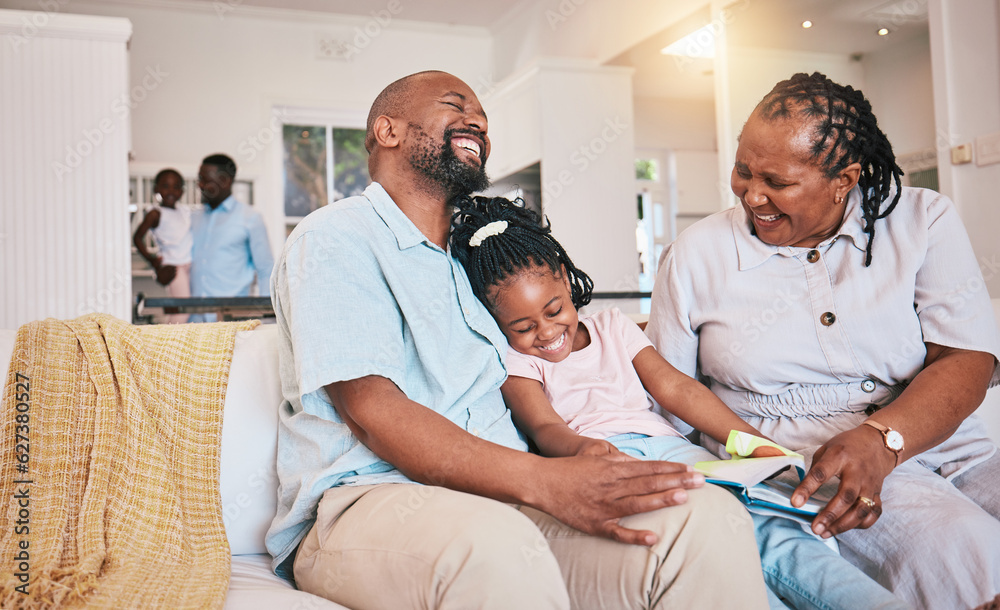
pixel 330 118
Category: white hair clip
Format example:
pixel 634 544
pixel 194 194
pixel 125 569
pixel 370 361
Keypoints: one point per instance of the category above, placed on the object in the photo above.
pixel 494 228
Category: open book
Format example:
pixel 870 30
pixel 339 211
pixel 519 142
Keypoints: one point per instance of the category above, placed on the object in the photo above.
pixel 765 485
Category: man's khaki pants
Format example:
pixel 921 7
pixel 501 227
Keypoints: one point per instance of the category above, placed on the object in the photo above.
pixel 408 546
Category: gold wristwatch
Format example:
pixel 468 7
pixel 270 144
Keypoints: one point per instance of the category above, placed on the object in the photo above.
pixel 893 440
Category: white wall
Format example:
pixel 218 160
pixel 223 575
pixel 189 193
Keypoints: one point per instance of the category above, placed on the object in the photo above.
pixel 64 125
pixel 588 175
pixel 224 68
pixel 754 72
pixel 675 123
pixel 965 54
pixel 575 119
pixel 899 85
pixel 681 135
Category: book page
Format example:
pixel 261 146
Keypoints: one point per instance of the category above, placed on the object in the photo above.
pixel 779 491
pixel 766 485
pixel 750 471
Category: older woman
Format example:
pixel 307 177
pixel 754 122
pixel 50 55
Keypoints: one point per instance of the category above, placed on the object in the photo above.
pixel 836 309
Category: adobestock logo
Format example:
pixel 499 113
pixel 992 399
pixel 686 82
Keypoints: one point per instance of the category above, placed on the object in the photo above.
pixel 33 24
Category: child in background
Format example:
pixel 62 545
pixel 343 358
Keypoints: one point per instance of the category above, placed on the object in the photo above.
pixel 579 386
pixel 171 227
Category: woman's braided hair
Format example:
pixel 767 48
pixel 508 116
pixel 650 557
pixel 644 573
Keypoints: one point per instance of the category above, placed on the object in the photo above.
pixel 526 242
pixel 845 132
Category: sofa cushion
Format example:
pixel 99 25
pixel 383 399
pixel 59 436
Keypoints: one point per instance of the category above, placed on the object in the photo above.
pixel 252 586
pixel 249 481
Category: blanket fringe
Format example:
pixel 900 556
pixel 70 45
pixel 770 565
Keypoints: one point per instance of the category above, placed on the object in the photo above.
pixel 62 587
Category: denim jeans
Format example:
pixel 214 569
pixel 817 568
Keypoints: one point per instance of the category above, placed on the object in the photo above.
pixel 801 570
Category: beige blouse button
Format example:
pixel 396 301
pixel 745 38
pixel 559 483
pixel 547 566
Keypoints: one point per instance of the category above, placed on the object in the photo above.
pixel 827 319
pixel 813 256
pixel 868 386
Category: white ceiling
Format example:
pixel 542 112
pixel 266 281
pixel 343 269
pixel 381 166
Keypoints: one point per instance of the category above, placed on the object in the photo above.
pixel 478 13
pixel 844 25
pixel 847 27
pixel 840 26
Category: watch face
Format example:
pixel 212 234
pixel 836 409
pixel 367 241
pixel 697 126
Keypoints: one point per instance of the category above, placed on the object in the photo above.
pixel 894 440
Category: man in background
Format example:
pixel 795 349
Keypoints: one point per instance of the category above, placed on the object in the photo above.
pixel 231 248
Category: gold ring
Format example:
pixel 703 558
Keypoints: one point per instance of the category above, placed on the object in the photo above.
pixel 868 501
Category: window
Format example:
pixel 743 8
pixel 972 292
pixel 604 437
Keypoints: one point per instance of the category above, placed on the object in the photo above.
pixel 322 161
pixel 919 168
pixel 350 163
pixel 647 169
pixel 305 169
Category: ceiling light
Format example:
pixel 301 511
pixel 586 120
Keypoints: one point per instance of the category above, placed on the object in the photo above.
pixel 883 31
pixel 699 43
pixel 807 24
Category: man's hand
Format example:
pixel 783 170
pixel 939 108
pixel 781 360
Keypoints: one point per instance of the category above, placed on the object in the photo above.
pixel 585 492
pixel 592 493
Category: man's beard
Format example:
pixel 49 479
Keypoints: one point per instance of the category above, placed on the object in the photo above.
pixel 442 167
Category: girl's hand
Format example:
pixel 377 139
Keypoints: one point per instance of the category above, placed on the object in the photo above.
pixel 600 448
pixel 766 452
pixel 859 457
pixel 166 274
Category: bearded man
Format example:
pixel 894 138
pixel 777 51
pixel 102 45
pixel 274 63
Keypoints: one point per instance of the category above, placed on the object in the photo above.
pixel 403 481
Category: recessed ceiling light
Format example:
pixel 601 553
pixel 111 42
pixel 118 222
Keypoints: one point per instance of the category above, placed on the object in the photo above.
pixel 883 31
pixel 807 24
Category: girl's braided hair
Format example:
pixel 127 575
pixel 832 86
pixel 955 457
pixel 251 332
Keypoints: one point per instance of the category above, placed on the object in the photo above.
pixel 845 131
pixel 524 243
pixel 164 172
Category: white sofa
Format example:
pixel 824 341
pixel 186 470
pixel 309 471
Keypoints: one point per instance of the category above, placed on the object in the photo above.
pixel 248 484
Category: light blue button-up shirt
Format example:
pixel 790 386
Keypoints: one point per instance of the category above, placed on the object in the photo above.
pixel 359 291
pixel 230 249
pixel 800 341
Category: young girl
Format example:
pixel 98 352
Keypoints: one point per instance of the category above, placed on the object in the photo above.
pixel 171 227
pixel 579 386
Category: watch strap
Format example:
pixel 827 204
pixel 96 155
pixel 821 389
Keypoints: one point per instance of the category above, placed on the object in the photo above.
pixel 884 431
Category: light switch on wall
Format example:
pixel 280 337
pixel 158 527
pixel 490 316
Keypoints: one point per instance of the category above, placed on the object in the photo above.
pixel 961 154
pixel 988 149
pixel 329 46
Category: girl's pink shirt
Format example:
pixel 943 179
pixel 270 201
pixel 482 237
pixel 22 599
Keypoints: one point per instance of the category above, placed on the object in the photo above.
pixel 596 389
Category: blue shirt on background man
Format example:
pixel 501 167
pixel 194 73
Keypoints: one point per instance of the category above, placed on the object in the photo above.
pixel 230 249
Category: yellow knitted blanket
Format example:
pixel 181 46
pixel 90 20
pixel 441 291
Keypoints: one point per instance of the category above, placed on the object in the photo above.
pixel 109 479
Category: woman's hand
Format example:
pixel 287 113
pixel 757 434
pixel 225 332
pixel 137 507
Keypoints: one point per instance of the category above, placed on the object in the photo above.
pixel 862 461
pixel 601 448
